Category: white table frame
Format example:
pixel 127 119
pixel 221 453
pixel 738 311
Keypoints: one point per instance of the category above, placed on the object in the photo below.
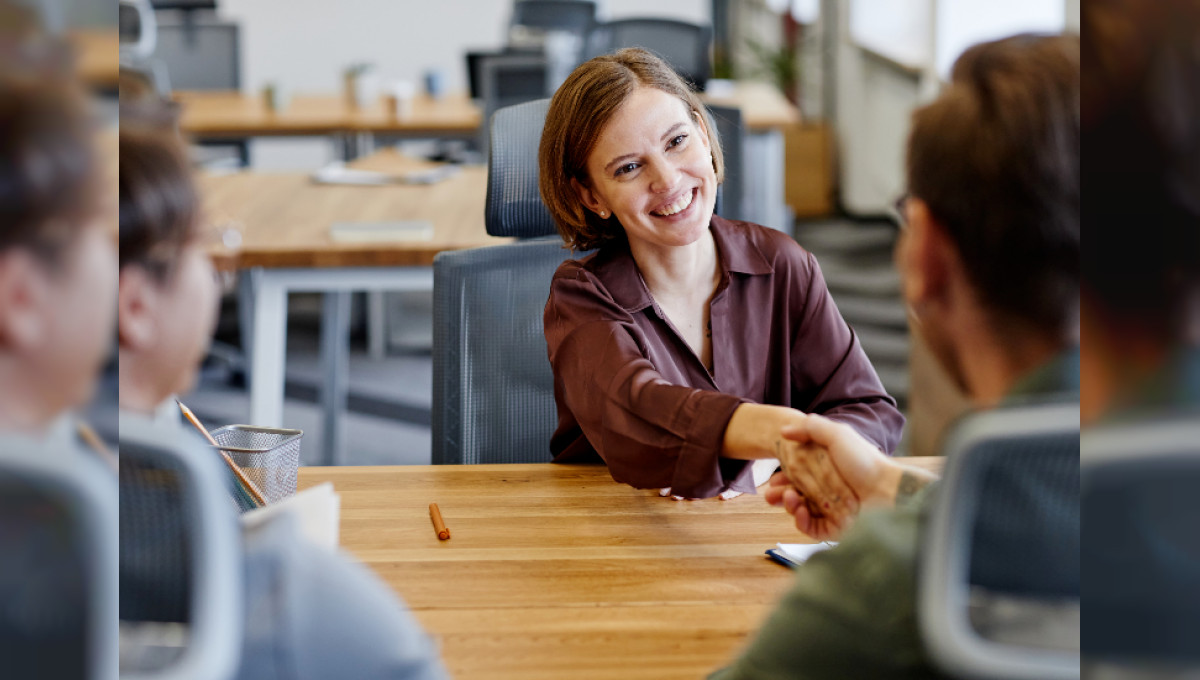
pixel 263 301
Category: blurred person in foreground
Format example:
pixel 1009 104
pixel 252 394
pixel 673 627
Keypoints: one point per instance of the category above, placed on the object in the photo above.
pixel 1140 315
pixel 57 292
pixel 989 260
pixel 309 612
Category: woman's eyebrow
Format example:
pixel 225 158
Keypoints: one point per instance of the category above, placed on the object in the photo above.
pixel 669 133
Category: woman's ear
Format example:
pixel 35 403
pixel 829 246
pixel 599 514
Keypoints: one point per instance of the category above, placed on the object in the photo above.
pixel 590 200
pixel 137 302
pixel 24 295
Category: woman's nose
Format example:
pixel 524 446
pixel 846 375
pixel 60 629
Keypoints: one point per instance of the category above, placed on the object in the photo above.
pixel 664 176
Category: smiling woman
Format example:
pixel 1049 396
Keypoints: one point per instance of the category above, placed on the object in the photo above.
pixel 684 345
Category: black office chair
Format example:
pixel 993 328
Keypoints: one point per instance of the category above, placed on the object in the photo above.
pixel 685 46
pixel 574 16
pixel 493 390
pixel 1141 545
pixel 998 584
pixel 58 564
pixel 181 590
pixel 508 79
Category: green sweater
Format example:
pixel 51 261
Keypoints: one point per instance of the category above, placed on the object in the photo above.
pixel 852 611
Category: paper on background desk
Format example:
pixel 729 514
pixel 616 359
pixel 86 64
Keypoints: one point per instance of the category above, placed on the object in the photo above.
pixel 337 173
pixel 317 510
pixel 394 231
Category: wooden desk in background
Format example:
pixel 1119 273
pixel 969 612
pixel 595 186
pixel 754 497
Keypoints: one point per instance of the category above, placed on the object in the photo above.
pixel 556 571
pixel 286 247
pixel 97 56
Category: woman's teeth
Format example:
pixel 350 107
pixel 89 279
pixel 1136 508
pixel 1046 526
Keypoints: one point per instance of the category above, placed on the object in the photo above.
pixel 679 205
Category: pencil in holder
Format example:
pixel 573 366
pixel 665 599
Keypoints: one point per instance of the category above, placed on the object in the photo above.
pixel 269 456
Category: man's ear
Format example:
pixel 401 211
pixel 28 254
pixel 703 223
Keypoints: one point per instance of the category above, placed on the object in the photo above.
pixel 24 296
pixel 590 200
pixel 137 304
pixel 933 259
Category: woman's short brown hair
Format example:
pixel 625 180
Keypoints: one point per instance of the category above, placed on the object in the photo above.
pixel 579 111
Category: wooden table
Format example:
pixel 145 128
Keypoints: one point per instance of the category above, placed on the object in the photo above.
pixel 286 247
pixel 97 54
pixel 234 114
pixel 556 571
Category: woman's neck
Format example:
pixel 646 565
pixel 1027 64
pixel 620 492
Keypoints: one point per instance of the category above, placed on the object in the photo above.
pixel 677 270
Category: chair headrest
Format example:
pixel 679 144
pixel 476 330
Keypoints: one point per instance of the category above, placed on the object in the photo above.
pixel 514 206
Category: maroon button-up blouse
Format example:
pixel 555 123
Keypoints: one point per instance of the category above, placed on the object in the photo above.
pixel 629 389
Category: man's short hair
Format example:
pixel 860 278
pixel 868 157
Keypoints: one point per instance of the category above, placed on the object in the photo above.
pixel 996 159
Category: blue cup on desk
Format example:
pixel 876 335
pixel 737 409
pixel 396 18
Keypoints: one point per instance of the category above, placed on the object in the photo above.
pixel 434 83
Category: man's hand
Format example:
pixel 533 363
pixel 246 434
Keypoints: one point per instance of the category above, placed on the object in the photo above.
pixel 865 469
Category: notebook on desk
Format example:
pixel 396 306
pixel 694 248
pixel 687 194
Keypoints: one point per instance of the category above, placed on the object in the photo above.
pixel 393 231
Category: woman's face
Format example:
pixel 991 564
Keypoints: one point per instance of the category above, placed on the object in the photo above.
pixel 652 169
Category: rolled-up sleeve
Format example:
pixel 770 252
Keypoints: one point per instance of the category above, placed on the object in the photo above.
pixel 650 432
pixel 831 373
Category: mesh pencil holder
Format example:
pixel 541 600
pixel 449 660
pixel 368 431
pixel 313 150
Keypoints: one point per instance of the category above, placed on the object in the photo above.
pixel 269 456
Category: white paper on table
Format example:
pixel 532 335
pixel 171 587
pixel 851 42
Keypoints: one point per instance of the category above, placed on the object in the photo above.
pixel 394 231
pixel 316 509
pixel 337 173
pixel 800 552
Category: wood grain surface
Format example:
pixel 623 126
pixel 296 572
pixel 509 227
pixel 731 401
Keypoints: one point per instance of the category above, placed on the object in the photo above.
pixel 285 217
pixel 557 571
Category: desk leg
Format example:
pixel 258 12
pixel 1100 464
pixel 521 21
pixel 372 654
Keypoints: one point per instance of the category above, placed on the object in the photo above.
pixel 335 358
pixel 267 354
pixel 377 324
pixel 247 286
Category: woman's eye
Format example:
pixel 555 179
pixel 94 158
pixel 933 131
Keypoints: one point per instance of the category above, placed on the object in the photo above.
pixel 628 167
pixel 676 141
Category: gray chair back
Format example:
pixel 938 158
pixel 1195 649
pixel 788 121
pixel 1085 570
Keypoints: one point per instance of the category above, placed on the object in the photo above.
pixel 685 46
pixel 200 54
pixel 493 390
pixel 998 585
pixel 514 205
pixel 58 565
pixel 575 16
pixel 180 559
pixel 1141 544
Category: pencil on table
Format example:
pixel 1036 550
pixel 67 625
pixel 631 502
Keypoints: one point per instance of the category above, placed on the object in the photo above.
pixel 245 481
pixel 438 525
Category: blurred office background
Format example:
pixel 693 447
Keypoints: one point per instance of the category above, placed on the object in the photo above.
pixel 852 69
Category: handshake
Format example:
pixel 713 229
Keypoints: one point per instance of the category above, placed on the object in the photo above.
pixel 830 471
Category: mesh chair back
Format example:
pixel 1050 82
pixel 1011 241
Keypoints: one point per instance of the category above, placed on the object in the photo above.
pixel 1141 545
pixel 179 558
pixel 514 206
pixel 685 46
pixel 1004 537
pixel 58 566
pixel 493 390
pixel 576 16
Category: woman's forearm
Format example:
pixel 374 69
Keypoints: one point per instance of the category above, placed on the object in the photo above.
pixel 754 431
